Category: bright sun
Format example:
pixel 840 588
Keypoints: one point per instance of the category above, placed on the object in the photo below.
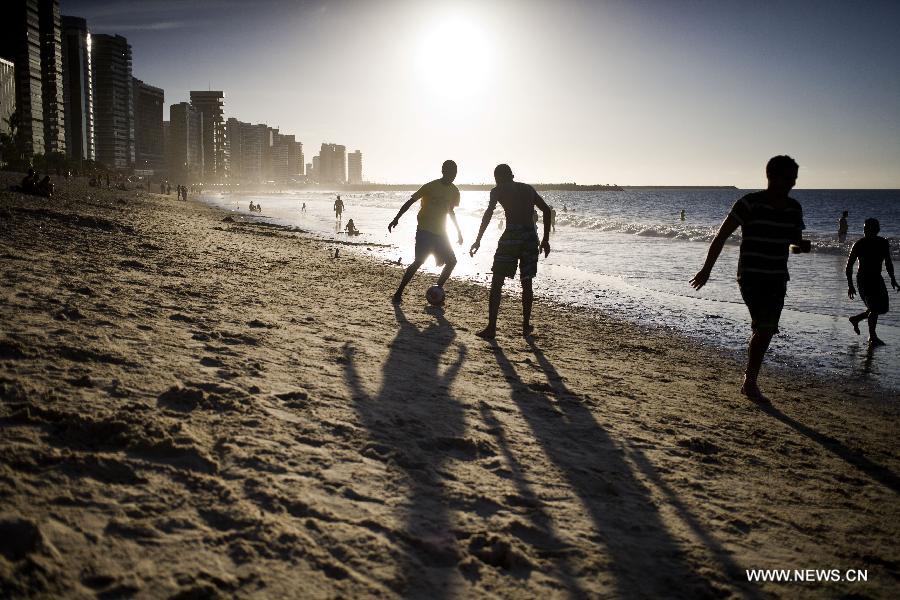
pixel 454 57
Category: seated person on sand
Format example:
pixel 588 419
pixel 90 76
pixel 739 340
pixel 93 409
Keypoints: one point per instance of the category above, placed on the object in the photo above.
pixel 45 188
pixel 351 228
pixel 870 251
pixel 29 182
pixel 252 207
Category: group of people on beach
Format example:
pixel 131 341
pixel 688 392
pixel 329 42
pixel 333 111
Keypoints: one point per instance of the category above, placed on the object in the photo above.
pixel 771 224
pixel 34 186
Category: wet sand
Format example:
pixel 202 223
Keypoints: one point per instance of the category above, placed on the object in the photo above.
pixel 209 408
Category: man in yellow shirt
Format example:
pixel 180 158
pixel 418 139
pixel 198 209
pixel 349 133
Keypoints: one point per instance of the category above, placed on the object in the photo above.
pixel 439 198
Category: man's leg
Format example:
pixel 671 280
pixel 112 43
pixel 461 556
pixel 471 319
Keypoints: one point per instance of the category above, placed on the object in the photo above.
pixel 855 320
pixel 527 301
pixel 490 331
pixel 407 276
pixel 445 274
pixel 873 323
pixel 759 344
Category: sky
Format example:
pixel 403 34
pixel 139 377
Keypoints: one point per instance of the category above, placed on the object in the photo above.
pixel 679 92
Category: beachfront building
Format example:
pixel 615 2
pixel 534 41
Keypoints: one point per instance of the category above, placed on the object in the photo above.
pixel 287 157
pixel 211 105
pixel 332 164
pixel 7 93
pixel 113 101
pixel 78 94
pixel 354 167
pixel 20 44
pixel 149 149
pixel 184 146
pixel 248 146
pixel 315 170
pixel 52 77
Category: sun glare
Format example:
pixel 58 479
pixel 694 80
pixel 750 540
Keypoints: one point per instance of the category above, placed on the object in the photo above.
pixel 454 57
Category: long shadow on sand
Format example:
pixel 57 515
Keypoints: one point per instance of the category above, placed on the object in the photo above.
pixel 645 560
pixel 416 425
pixel 879 473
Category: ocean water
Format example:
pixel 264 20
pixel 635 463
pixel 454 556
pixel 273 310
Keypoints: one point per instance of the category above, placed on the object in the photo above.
pixel 628 254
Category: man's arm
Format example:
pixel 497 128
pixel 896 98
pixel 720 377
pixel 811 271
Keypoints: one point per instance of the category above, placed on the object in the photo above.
pixel 541 204
pixel 889 266
pixel 729 225
pixel 405 207
pixel 854 254
pixel 485 221
pixel 459 238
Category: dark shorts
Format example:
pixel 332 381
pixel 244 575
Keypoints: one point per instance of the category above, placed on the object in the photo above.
pixel 764 297
pixel 873 292
pixel 518 247
pixel 432 244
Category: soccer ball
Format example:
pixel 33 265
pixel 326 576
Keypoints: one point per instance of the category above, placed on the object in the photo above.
pixel 435 295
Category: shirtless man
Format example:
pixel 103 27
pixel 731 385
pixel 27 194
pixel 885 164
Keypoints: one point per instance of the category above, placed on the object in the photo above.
pixel 518 245
pixel 338 208
pixel 870 251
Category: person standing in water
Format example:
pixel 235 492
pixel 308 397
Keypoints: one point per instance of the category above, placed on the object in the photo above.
pixel 771 222
pixel 682 214
pixel 338 207
pixel 870 251
pixel 842 227
pixel 439 198
pixel 518 245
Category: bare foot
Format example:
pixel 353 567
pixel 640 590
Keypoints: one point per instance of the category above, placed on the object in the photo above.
pixel 875 341
pixel 752 391
pixel 527 330
pixel 488 333
pixel 855 324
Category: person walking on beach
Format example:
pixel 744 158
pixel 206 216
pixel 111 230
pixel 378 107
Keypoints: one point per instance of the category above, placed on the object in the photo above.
pixel 842 227
pixel 439 198
pixel 338 207
pixel 553 219
pixel 770 223
pixel 518 245
pixel 870 251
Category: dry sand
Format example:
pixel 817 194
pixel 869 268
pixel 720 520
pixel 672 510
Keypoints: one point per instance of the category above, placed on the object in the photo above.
pixel 197 408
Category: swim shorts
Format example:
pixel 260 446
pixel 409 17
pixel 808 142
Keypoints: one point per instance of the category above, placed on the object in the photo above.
pixel 764 297
pixel 873 292
pixel 518 247
pixel 428 244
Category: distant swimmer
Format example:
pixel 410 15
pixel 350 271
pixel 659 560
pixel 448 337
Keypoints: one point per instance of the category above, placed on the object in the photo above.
pixel 870 251
pixel 439 199
pixel 770 223
pixel 565 208
pixel 518 246
pixel 303 208
pixel 842 227
pixel 338 207
pixel 682 214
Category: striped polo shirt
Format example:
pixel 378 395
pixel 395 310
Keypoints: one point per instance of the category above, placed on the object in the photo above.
pixel 767 233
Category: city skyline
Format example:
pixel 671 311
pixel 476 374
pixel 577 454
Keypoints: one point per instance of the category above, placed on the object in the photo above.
pixel 637 93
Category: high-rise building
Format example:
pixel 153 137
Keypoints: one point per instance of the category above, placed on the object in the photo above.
pixel 184 146
pixel 212 106
pixel 310 175
pixel 20 43
pixel 316 171
pixel 7 93
pixel 78 93
pixel 248 146
pixel 354 167
pixel 52 77
pixel 149 149
pixel 333 164
pixel 287 157
pixel 113 101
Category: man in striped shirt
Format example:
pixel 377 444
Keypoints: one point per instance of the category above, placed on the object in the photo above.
pixel 771 222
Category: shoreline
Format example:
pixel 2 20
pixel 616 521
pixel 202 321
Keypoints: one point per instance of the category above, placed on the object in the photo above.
pixel 192 405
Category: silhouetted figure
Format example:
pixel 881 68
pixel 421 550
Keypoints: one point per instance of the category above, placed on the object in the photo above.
pixel 842 227
pixel 29 182
pixel 162 187
pixel 518 246
pixel 351 228
pixel 870 251
pixel 770 223
pixel 252 206
pixel 553 219
pixel 338 208
pixel 303 208
pixel 439 198
pixel 168 188
pixel 45 188
pixel 682 214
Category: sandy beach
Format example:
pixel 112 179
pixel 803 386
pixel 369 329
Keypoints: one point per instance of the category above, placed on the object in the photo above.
pixel 198 407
